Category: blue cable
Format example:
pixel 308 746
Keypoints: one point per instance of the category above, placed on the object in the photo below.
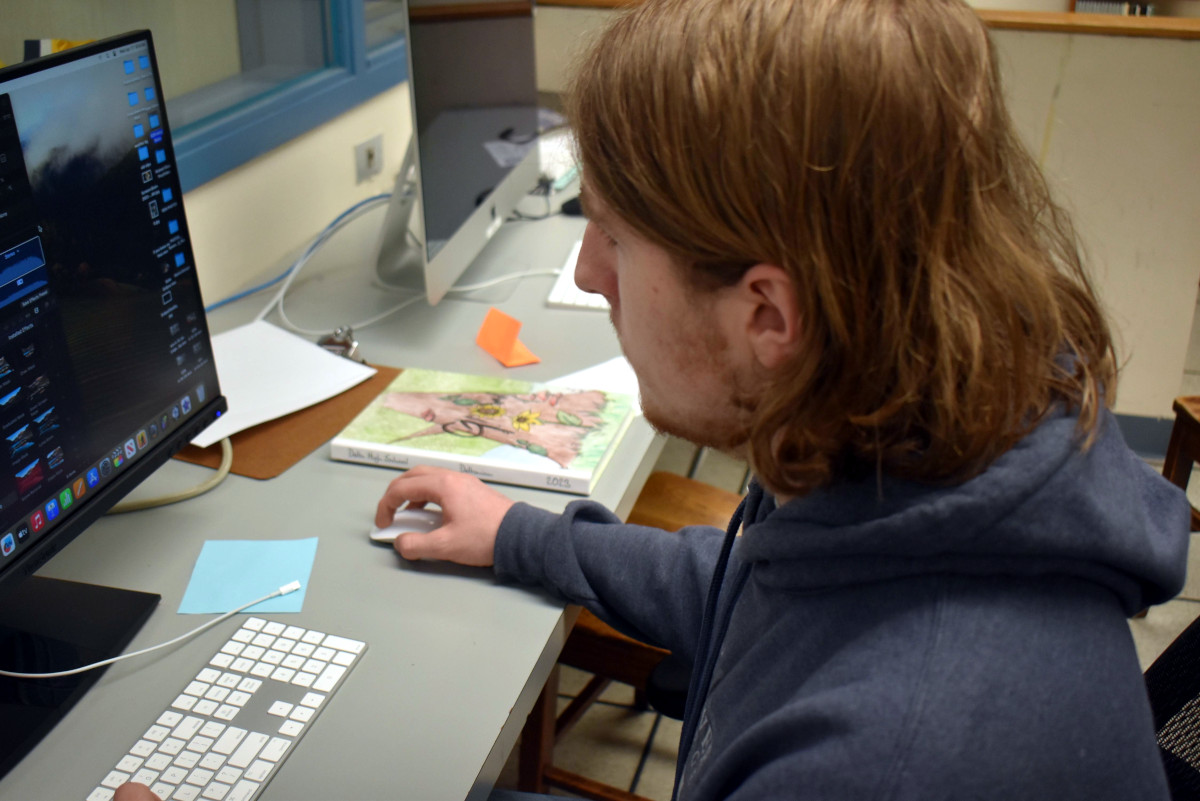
pixel 321 237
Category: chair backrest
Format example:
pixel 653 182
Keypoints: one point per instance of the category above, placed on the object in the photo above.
pixel 1173 684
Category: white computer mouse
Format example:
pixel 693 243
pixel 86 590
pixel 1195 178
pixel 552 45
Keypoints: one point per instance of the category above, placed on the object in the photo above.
pixel 405 520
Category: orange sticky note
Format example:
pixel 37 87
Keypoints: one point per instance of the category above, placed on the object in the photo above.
pixel 498 336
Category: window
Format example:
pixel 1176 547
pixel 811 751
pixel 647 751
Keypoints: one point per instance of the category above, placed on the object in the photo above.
pixel 240 76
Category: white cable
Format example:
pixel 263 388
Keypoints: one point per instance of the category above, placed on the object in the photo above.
pixel 348 216
pixel 284 590
pixel 199 489
pixel 509 277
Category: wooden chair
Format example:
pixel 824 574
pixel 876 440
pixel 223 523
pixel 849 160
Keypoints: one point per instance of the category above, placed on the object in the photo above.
pixel 1183 449
pixel 667 501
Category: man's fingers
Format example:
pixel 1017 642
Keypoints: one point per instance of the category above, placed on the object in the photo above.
pixel 416 487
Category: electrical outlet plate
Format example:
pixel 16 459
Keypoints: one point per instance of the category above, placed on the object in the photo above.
pixel 368 158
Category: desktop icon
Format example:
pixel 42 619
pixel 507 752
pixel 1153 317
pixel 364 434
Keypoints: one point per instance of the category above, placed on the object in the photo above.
pixel 8 545
pixel 154 431
pixel 79 487
pixel 162 423
pixel 186 404
pixel 37 520
pixel 142 439
pixel 22 532
pixel 106 467
pixel 93 477
pixel 175 412
pixel 200 392
pixel 51 509
pixel 65 499
pixel 130 449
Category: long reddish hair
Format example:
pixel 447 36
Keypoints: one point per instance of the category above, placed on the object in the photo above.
pixel 864 147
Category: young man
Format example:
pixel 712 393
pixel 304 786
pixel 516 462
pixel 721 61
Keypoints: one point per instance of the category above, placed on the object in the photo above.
pixel 826 250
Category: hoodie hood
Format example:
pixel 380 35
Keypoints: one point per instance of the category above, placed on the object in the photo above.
pixel 1044 507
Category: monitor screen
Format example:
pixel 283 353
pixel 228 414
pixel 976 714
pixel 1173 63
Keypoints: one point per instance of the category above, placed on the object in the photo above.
pixel 106 368
pixel 473 91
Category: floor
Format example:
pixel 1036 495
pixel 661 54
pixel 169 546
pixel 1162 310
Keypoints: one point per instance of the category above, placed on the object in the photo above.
pixel 619 745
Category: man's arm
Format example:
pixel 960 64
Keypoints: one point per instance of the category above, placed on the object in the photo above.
pixel 648 583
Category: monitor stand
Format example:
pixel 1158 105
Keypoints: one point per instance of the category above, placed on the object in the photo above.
pixel 48 625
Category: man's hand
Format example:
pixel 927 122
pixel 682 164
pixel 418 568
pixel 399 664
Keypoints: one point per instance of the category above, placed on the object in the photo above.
pixel 471 511
pixel 131 791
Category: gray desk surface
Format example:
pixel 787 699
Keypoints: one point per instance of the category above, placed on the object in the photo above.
pixel 455 659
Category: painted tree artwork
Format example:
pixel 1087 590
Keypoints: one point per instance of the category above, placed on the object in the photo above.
pixel 482 420
pixel 545 423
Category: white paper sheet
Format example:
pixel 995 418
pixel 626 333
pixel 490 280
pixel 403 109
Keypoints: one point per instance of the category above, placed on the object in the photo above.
pixel 614 375
pixel 266 372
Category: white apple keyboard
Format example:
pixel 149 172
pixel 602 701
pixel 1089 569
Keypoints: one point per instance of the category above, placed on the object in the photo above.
pixel 227 733
pixel 565 295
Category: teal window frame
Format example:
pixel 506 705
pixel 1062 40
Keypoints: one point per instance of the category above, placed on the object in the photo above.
pixel 211 148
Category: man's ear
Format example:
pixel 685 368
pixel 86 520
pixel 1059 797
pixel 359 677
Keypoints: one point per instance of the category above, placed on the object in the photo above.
pixel 770 314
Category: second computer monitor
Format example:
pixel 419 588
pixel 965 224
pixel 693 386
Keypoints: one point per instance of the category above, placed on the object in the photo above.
pixel 473 91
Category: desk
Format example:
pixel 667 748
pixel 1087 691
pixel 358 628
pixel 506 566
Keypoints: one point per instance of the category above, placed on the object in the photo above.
pixel 455 660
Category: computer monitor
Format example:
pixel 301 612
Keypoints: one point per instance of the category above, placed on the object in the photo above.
pixel 106 367
pixel 473 92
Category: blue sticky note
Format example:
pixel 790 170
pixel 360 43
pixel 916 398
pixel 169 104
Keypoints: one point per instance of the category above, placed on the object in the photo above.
pixel 229 573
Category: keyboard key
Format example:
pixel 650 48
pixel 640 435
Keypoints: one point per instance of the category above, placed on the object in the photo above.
pixel 329 677
pixel 254 623
pixel 248 750
pixel 216 791
pixel 343 644
pixel 174 775
pixel 205 708
pixel 274 628
pixel 142 748
pixel 115 779
pixel 199 777
pixel 145 776
pixel 169 719
pixel 275 749
pixel 291 728
pixel 243 791
pixel 212 761
pixel 229 740
pixel 130 764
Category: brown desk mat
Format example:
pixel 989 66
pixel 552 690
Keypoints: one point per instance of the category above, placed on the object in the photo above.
pixel 268 449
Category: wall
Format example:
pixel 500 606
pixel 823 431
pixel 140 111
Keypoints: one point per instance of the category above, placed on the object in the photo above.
pixel 245 222
pixel 1115 121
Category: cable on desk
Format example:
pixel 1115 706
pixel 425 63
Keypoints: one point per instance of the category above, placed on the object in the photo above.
pixel 199 489
pixel 284 590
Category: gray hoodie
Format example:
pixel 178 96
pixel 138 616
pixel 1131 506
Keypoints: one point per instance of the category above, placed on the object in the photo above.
pixel 894 640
